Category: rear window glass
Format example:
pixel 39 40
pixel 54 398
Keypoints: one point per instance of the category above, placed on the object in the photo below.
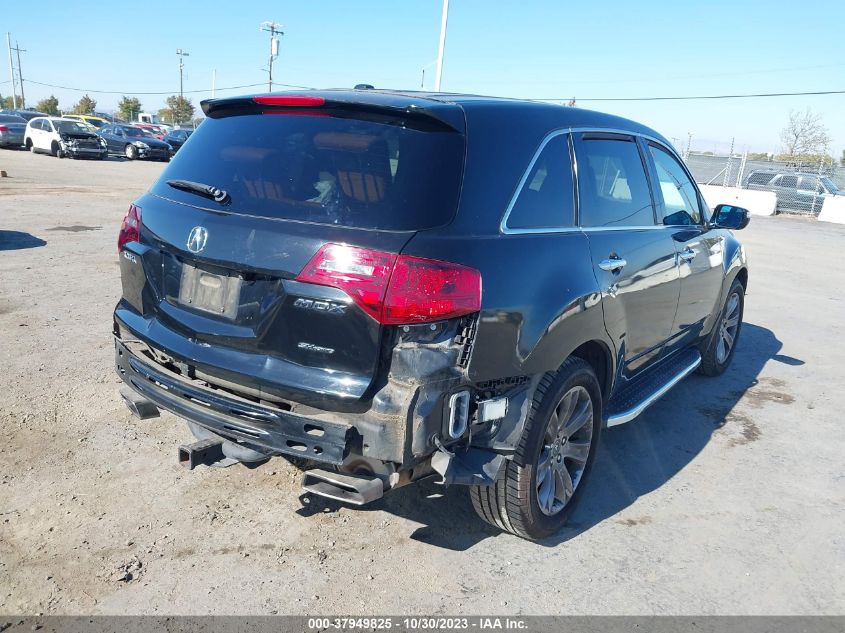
pixel 10 118
pixel 324 169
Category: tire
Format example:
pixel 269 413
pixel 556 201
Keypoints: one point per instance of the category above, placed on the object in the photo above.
pixel 721 344
pixel 130 151
pixel 513 503
pixel 55 150
pixel 29 145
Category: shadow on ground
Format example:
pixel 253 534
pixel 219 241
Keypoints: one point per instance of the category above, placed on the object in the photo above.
pixel 18 240
pixel 633 459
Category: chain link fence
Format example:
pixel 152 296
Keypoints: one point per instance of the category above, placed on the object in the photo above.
pixel 800 187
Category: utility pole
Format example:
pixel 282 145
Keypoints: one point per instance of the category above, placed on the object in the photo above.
pixel 182 54
pixel 274 29
pixel 443 18
pixel 12 72
pixel 20 72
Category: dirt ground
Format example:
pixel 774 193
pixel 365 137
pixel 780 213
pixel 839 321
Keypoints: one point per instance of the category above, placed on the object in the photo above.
pixel 727 497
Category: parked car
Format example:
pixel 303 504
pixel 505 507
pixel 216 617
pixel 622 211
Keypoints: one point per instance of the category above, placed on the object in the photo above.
pixel 155 130
pixel 408 286
pixel 25 114
pixel 95 121
pixel 133 142
pixel 177 138
pixel 796 191
pixel 12 128
pixel 63 137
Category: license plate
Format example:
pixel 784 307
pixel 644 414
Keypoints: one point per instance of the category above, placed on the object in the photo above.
pixel 218 294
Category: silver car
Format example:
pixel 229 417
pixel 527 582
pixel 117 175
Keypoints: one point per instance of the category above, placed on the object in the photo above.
pixel 12 129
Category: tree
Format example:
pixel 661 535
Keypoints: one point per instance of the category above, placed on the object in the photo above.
pixel 50 105
pixel 842 160
pixel 86 105
pixel 129 107
pixel 8 104
pixel 805 135
pixel 178 110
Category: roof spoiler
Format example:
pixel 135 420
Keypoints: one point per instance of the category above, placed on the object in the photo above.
pixel 427 115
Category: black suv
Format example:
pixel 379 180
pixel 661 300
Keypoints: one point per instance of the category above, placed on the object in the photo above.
pixel 391 286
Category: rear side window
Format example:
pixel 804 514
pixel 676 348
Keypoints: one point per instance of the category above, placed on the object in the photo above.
pixel 680 200
pixel 790 182
pixel 546 200
pixel 329 170
pixel 612 185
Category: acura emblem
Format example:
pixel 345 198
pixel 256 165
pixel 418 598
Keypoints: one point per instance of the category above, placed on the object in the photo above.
pixel 197 239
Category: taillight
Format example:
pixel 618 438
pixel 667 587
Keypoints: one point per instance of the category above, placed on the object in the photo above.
pixel 298 101
pixel 130 229
pixel 4 128
pixel 396 289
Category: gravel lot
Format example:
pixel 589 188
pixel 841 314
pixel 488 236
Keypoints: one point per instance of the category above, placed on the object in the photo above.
pixel 726 497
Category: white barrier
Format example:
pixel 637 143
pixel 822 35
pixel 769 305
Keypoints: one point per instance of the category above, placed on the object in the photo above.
pixel 757 202
pixel 833 210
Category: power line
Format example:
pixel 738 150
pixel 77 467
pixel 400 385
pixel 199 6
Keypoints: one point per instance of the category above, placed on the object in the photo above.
pixel 701 97
pixel 166 92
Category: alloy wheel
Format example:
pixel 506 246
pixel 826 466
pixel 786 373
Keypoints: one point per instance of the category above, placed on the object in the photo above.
pixel 566 447
pixel 728 328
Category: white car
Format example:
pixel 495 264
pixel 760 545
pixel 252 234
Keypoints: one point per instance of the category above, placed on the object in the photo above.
pixel 63 137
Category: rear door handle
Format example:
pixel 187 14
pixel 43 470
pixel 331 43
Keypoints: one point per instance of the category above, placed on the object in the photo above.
pixel 612 264
pixel 687 255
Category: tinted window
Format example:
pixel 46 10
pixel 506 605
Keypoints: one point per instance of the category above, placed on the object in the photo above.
pixel 388 174
pixel 680 200
pixel 10 118
pixel 790 182
pixel 546 198
pixel 760 178
pixel 612 185
pixel 39 124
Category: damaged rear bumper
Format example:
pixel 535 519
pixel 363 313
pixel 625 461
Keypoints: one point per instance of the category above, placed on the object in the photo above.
pixel 235 418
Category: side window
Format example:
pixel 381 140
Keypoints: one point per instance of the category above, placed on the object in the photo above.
pixel 612 185
pixel 790 182
pixel 546 200
pixel 759 178
pixel 680 200
pixel 811 184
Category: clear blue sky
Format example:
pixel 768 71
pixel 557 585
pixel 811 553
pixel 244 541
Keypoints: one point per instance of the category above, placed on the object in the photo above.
pixel 537 49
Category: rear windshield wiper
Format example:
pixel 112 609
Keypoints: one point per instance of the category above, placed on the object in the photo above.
pixel 207 191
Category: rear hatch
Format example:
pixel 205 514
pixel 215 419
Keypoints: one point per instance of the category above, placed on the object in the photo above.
pixel 219 278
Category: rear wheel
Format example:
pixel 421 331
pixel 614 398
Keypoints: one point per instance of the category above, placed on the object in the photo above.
pixel 130 151
pixel 538 489
pixel 29 145
pixel 721 344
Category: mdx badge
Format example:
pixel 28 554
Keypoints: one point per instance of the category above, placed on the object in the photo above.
pixel 197 239
pixel 320 306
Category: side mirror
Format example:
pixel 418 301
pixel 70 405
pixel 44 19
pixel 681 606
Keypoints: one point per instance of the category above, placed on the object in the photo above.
pixel 727 216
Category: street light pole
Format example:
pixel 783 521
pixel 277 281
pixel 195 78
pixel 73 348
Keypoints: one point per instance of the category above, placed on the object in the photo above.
pixel 439 74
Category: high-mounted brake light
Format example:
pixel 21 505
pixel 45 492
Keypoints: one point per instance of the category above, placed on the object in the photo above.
pixel 295 101
pixel 396 289
pixel 130 229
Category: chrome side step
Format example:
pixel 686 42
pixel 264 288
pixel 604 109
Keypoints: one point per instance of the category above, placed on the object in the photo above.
pixel 355 489
pixel 690 363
